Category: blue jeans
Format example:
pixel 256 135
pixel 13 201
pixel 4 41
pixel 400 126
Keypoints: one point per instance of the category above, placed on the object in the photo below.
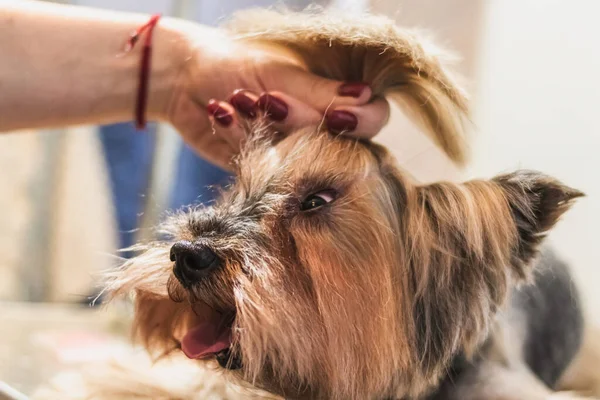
pixel 195 180
pixel 128 155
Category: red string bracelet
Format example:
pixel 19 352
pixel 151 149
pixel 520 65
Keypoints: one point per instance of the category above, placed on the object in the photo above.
pixel 142 95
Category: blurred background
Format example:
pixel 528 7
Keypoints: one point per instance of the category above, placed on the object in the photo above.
pixel 70 199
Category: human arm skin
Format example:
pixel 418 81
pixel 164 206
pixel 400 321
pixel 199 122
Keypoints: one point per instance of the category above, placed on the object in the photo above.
pixel 64 65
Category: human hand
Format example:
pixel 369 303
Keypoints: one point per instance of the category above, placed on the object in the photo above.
pixel 223 82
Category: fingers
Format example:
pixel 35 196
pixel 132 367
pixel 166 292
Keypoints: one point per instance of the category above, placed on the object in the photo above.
pixel 289 113
pixel 225 122
pixel 321 93
pixel 286 112
pixel 245 102
pixel 359 121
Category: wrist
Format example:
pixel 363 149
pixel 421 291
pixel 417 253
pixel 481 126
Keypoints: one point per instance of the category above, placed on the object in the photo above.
pixel 170 50
pixel 186 54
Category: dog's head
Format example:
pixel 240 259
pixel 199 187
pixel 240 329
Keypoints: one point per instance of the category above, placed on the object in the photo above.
pixel 326 272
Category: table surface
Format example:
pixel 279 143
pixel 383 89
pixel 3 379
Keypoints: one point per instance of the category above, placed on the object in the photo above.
pixel 39 340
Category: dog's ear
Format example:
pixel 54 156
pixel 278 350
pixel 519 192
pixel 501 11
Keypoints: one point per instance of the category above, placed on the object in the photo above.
pixel 537 202
pixel 467 244
pixel 371 49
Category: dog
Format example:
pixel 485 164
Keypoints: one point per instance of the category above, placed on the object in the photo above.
pixel 325 271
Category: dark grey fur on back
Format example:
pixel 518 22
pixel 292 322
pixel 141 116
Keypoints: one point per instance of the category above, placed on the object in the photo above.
pixel 547 319
pixel 554 319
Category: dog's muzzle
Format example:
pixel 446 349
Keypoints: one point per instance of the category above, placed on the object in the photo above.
pixel 193 261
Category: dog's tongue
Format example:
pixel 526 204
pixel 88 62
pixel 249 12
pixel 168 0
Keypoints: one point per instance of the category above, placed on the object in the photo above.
pixel 206 339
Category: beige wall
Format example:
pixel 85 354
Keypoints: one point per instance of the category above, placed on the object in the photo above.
pixel 16 209
pixel 55 235
pixel 537 107
pixel 83 235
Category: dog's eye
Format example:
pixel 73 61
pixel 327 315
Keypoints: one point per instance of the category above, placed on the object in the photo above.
pixel 318 199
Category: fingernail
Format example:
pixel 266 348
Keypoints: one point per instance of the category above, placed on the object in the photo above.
pixel 352 89
pixel 341 121
pixel 220 114
pixel 244 104
pixel 273 107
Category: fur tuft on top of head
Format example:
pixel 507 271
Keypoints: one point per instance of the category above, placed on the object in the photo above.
pixel 395 62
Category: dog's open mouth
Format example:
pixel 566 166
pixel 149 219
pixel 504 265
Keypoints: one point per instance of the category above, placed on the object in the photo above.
pixel 210 337
pixel 206 339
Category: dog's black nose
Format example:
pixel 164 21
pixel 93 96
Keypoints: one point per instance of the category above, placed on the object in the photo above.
pixel 192 261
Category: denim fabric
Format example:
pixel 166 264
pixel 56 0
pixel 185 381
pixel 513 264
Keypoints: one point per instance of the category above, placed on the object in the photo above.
pixel 128 155
pixel 195 180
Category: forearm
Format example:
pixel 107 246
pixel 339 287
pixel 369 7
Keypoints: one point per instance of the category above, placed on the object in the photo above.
pixel 61 65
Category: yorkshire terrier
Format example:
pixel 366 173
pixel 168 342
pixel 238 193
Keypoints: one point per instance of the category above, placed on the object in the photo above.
pixel 326 272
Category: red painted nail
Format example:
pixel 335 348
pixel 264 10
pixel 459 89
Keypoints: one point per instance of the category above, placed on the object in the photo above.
pixel 225 120
pixel 244 104
pixel 352 89
pixel 341 121
pixel 273 107
pixel 219 113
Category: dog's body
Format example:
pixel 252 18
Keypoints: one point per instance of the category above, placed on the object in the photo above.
pixel 326 272
pixel 536 339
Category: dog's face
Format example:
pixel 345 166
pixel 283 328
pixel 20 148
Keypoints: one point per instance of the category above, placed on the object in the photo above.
pixel 325 272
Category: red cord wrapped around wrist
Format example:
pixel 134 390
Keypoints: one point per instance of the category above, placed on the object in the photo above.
pixel 145 64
